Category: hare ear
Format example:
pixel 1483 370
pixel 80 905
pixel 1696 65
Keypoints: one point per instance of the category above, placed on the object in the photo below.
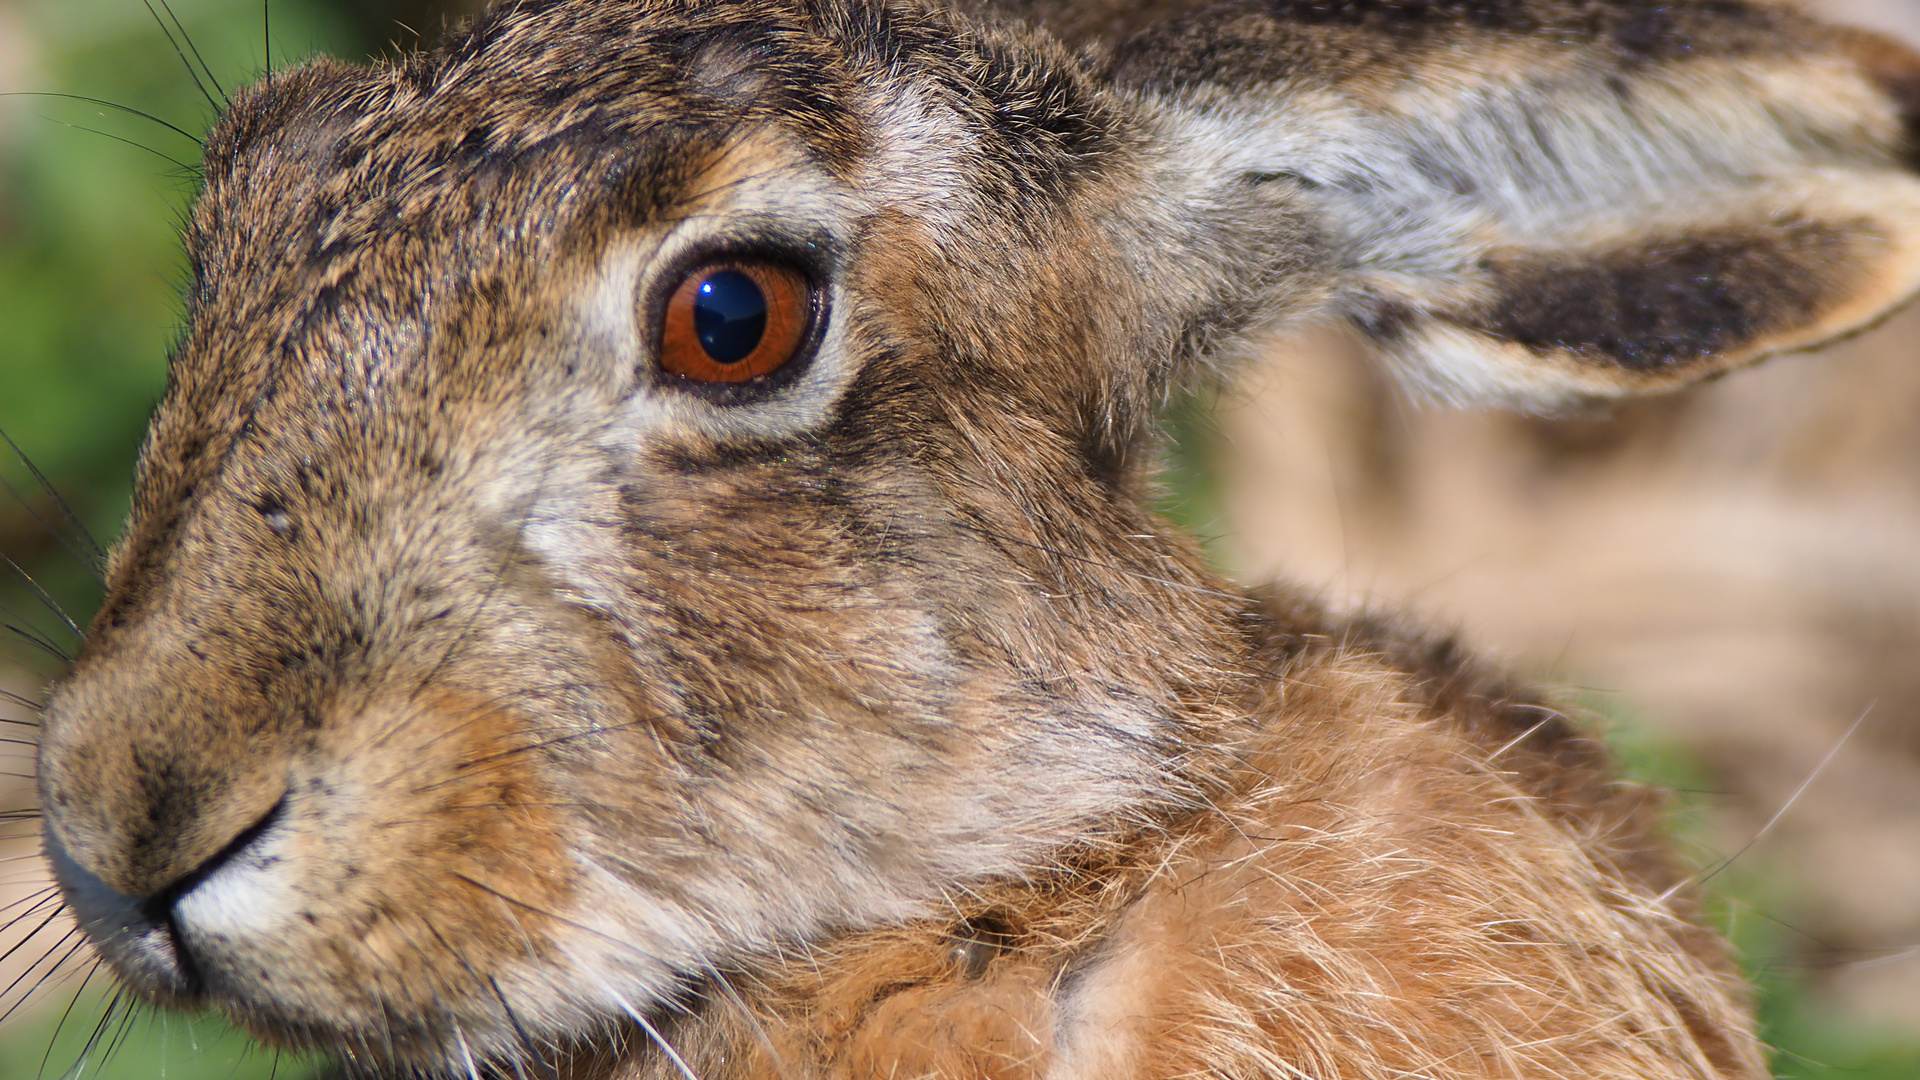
pixel 1542 201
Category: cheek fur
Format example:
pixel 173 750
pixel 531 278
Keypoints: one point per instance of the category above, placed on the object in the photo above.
pixel 425 845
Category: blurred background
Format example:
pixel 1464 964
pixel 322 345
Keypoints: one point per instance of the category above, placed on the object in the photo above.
pixel 1727 579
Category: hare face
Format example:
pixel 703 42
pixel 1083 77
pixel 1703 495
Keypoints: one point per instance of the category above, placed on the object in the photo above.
pixel 645 488
pixel 467 673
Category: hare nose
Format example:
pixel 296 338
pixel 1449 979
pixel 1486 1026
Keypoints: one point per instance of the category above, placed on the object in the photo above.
pixel 133 933
pixel 141 936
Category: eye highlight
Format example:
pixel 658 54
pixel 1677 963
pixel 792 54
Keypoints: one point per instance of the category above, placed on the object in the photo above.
pixel 736 320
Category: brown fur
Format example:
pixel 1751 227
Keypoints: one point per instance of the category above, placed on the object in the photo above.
pixel 471 695
pixel 1350 922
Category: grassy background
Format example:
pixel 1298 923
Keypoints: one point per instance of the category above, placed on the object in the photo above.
pixel 89 270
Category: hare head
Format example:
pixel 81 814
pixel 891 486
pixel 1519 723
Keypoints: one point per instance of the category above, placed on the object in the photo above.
pixel 649 485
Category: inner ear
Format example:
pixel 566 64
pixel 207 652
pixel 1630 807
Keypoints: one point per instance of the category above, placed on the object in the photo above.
pixel 1646 307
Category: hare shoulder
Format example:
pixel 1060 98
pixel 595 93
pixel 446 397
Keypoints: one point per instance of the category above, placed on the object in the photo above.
pixel 1402 864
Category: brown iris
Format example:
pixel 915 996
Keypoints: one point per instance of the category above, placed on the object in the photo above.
pixel 734 321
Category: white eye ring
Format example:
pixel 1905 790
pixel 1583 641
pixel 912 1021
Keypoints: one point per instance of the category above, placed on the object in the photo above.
pixel 622 313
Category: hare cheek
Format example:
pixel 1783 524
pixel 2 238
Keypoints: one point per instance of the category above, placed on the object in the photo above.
pixel 388 870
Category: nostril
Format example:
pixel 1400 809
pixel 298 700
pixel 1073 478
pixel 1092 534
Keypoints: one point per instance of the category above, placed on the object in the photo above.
pixel 143 949
pixel 140 935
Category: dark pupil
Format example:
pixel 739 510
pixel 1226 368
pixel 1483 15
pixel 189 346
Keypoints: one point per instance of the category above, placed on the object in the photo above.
pixel 729 316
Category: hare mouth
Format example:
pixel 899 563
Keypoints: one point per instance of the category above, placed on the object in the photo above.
pixel 166 944
pixel 238 894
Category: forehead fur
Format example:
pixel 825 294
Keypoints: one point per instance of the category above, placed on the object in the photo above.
pixel 507 117
pixel 509 109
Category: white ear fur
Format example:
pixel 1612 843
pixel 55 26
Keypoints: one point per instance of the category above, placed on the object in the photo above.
pixel 1541 229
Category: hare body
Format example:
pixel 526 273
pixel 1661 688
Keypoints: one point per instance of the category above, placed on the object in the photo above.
pixel 1409 868
pixel 506 669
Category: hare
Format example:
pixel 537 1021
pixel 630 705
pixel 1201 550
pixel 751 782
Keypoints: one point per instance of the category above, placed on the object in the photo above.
pixel 644 569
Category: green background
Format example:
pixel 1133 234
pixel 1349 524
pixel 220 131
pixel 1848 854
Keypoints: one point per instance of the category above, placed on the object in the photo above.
pixel 90 200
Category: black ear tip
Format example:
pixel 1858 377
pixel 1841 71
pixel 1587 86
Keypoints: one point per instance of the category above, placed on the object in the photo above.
pixel 1894 68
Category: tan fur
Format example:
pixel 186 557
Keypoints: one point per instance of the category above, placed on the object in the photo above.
pixel 1398 907
pixel 472 694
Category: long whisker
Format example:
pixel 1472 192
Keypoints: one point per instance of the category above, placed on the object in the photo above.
pixel 29 906
pixel 725 984
pixel 26 628
pixel 680 1064
pixel 42 893
pixel 45 975
pixel 46 485
pixel 67 1013
pixel 27 635
pixel 93 1041
pixel 46 599
pixel 32 634
pixel 128 1017
pixel 527 941
pixel 28 937
pixel 466 1052
pixel 471 764
pixel 104 103
pixel 184 36
pixel 24 702
pixel 181 53
pixel 519 1031
pixel 64 938
pixel 58 536
pixel 500 701
pixel 95 555
pixel 1702 879
pixel 653 1033
pixel 183 166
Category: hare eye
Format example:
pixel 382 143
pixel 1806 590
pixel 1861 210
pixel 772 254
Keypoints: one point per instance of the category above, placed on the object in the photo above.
pixel 735 321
